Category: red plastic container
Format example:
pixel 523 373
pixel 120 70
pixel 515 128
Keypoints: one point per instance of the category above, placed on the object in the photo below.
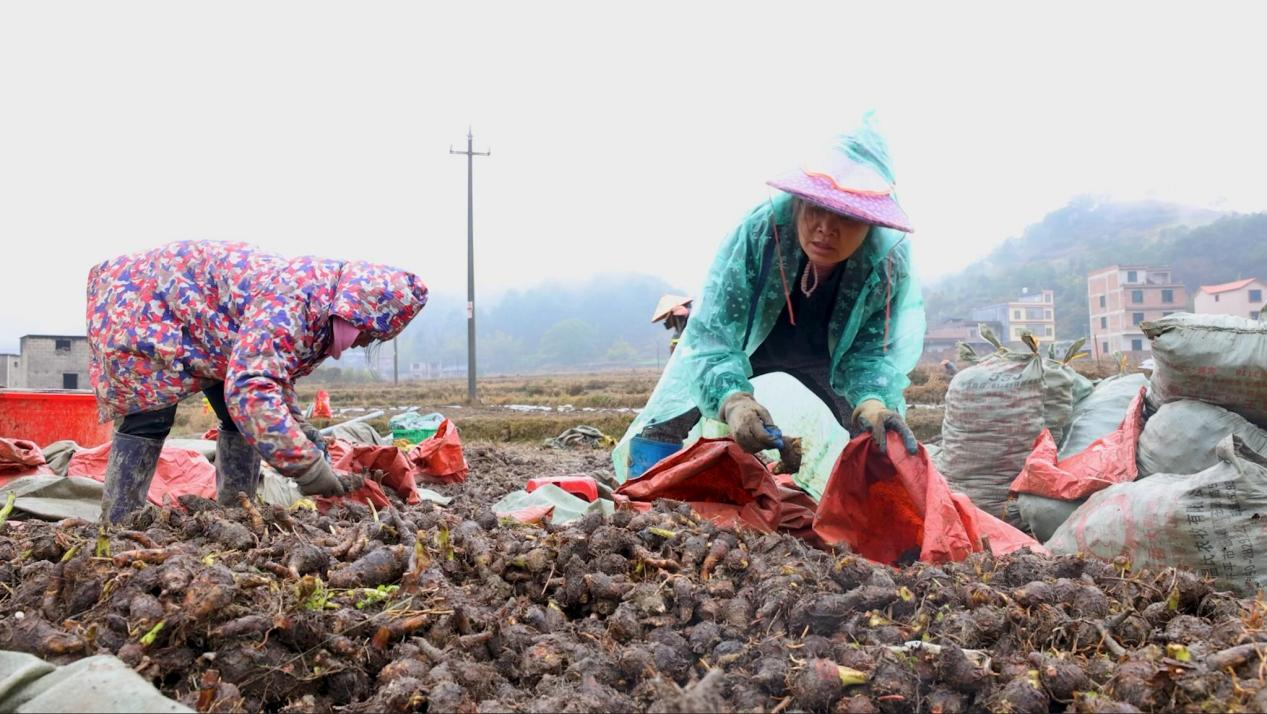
pixel 52 415
pixel 581 486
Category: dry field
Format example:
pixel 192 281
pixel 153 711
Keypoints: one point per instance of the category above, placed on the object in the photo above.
pixel 603 400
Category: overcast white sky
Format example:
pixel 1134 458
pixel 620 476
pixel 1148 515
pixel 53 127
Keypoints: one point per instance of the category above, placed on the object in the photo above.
pixel 625 137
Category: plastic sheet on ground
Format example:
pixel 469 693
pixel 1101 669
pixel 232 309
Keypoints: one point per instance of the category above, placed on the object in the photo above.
pixel 897 508
pixel 180 472
pixel 102 683
pixel 580 436
pixel 277 490
pixel 357 432
pixel 440 458
pixel 1208 522
pixel 58 455
pixel 206 447
pixel 727 485
pixel 414 427
pixel 54 497
pixel 548 502
pixel 19 457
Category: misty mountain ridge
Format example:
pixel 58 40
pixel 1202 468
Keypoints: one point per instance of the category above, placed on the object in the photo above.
pixel 1202 247
pixel 601 322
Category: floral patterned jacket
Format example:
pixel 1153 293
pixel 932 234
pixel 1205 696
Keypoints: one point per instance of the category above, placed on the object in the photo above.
pixel 167 323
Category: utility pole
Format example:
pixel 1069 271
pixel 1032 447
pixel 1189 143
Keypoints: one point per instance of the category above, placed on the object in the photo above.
pixel 395 364
pixel 470 154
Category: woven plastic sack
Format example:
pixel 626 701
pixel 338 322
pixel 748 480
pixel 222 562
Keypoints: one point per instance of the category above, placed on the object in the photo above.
pixel 1182 438
pixel 1101 412
pixel 1217 359
pixel 1063 388
pixel 994 411
pixel 1208 522
pixel 1045 515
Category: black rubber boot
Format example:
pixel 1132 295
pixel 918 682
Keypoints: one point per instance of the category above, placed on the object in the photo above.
pixel 237 468
pixel 129 472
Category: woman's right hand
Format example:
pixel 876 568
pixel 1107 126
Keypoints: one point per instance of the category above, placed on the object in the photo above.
pixel 319 480
pixel 748 420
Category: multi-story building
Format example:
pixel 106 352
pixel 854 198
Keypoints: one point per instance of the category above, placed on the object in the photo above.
pixel 54 362
pixel 1121 297
pixel 942 342
pixel 1032 311
pixel 9 364
pixel 1243 298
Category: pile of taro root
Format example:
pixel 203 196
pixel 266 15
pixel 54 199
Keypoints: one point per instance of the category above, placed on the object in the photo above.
pixel 450 609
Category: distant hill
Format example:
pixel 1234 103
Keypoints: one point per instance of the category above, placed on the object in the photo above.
pixel 604 322
pixel 1202 247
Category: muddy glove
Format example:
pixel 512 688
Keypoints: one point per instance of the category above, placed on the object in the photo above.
pixel 748 421
pixel 314 435
pixel 878 419
pixel 319 480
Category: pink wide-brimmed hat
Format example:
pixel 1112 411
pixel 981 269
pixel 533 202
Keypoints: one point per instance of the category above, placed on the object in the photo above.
pixel 849 188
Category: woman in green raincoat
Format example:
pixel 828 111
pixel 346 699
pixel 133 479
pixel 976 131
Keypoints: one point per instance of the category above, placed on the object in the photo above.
pixel 816 282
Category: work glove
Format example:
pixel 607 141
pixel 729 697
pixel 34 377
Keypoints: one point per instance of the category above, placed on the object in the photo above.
pixel 319 480
pixel 314 435
pixel 873 416
pixel 749 423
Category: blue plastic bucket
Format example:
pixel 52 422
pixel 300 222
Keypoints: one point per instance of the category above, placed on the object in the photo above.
pixel 645 453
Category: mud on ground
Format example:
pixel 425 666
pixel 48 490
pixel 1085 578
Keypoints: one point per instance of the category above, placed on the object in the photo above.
pixel 424 608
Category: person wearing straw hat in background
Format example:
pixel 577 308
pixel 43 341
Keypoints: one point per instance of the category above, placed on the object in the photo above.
pixel 817 282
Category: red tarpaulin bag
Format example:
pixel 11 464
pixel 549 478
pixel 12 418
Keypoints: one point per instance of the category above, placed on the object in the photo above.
pixel 321 407
pixel 724 484
pixel 370 494
pixel 896 508
pixel 398 473
pixel 1108 460
pixel 440 457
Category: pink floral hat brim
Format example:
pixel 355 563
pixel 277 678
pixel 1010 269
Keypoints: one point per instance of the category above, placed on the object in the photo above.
pixel 874 205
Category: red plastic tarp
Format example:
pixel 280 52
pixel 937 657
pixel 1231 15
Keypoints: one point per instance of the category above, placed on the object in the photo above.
pixel 321 408
pixel 19 457
pixel 398 472
pixel 440 457
pixel 895 507
pixel 726 485
pixel 180 472
pixel 1108 460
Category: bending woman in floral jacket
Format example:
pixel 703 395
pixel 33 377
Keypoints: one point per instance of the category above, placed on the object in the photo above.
pixel 239 325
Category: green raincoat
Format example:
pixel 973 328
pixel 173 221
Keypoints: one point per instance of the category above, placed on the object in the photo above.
pixel 875 336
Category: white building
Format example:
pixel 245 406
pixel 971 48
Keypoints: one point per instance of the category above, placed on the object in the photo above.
pixel 48 362
pixel 1242 298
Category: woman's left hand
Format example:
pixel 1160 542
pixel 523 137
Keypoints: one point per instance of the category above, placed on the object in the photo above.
pixel 873 416
pixel 315 436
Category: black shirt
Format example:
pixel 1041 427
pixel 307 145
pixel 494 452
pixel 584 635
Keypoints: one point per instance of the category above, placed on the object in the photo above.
pixel 801 350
